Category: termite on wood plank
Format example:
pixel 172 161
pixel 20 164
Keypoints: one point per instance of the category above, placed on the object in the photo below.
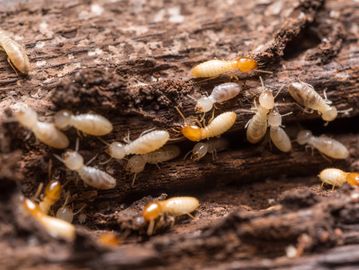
pixel 214 68
pixel 336 177
pixel 277 134
pixel 16 54
pixel 176 206
pixel 305 95
pixel 55 227
pixel 88 123
pixel 219 125
pixel 145 144
pixel 328 146
pixel 220 94
pixel 44 132
pixel 136 163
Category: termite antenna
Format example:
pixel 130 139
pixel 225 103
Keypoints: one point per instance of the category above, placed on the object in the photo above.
pixel 103 141
pixel 78 211
pixel 133 180
pixel 286 114
pixel 59 158
pixel 262 82
pixel 264 71
pixel 77 144
pixel 180 113
pixel 186 155
pixel 346 112
pixel 38 191
pixel 195 100
pixel 280 90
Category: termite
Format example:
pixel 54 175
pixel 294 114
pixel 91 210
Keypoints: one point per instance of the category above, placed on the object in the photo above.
pixel 176 206
pixel 215 68
pixel 277 134
pixel 328 146
pixel 219 125
pixel 305 95
pixel 220 94
pixel 91 176
pixel 16 54
pixel 212 146
pixel 337 178
pixel 51 196
pixel 44 132
pixel 145 144
pixel 136 163
pixel 88 123
pixel 109 239
pixel 55 227
pixel 257 125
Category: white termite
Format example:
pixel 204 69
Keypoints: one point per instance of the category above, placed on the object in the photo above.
pixel 328 146
pixel 277 134
pixel 89 123
pixel 145 144
pixel 44 132
pixel 91 176
pixel 305 95
pixel 220 94
pixel 257 125
pixel 136 163
pixel 212 146
pixel 17 56
pixel 336 177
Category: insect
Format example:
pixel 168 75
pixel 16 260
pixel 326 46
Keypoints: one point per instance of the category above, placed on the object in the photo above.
pixel 136 163
pixel 305 95
pixel 109 239
pixel 219 125
pixel 257 125
pixel 212 146
pixel 89 123
pixel 145 144
pixel 337 178
pixel 176 206
pixel 16 54
pixel 214 68
pixel 220 94
pixel 44 132
pixel 277 134
pixel 91 176
pixel 323 144
pixel 55 227
pixel 52 195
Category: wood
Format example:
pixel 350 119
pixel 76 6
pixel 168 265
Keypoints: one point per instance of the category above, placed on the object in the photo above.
pixel 131 64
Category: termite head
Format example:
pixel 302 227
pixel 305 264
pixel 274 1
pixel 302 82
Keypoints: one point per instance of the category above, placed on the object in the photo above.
pixel 62 119
pixel 199 151
pixel 204 104
pixel 152 211
pixel 116 150
pixel 136 164
pixel 304 136
pixel 73 160
pixel 274 119
pixel 53 190
pixel 266 99
pixel 25 115
pixel 192 132
pixel 330 114
pixel 65 213
pixel 353 179
pixel 246 64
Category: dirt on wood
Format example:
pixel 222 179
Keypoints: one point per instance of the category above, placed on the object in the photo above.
pixel 129 61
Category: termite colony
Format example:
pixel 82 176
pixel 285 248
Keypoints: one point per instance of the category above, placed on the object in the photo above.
pixel 152 145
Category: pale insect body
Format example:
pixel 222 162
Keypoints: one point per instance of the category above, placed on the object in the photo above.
pixel 336 177
pixel 91 176
pixel 214 68
pixel 305 95
pixel 328 146
pixel 212 146
pixel 175 206
pixel 220 94
pixel 136 164
pixel 65 212
pixel 219 125
pixel 55 227
pixel 277 134
pixel 257 125
pixel 17 56
pixel 44 132
pixel 143 145
pixel 89 123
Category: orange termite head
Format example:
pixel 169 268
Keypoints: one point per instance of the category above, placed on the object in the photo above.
pixel 353 179
pixel 32 208
pixel 192 132
pixel 152 211
pixel 246 64
pixel 53 190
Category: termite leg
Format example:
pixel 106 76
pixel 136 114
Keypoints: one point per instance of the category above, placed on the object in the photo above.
pixel 322 185
pixel 92 159
pixel 38 191
pixel 12 66
pixel 187 154
pixel 190 215
pixel 105 162
pixel 158 166
pixel 329 102
pixel 133 180
pixel 147 131
pixel 325 157
pixel 280 89
pixel 127 139
pixel 150 228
